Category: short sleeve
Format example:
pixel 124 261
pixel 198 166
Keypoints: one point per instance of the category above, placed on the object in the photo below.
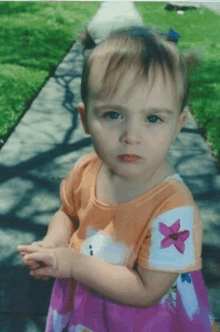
pixel 70 183
pixel 174 241
pixel 67 198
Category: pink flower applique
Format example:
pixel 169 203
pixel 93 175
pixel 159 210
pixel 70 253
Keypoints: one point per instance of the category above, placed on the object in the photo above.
pixel 173 237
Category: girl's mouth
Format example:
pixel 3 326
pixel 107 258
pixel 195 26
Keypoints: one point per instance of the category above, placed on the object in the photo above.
pixel 129 158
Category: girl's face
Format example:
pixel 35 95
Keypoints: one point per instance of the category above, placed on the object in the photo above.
pixel 144 123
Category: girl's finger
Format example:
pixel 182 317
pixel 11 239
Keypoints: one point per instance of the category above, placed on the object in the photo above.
pixel 30 264
pixel 28 249
pixel 44 272
pixel 42 259
pixel 38 277
pixel 33 266
pixel 41 278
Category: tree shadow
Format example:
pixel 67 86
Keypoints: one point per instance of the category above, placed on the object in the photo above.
pixel 26 221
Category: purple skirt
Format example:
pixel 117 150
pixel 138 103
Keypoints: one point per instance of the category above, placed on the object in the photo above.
pixel 185 308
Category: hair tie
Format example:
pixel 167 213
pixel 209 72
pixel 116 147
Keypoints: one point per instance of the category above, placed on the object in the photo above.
pixel 173 36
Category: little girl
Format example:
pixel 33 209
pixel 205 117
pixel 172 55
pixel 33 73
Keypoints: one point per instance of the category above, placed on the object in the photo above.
pixel 133 230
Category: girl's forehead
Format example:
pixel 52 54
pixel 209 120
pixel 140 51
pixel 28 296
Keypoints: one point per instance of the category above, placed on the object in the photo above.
pixel 155 86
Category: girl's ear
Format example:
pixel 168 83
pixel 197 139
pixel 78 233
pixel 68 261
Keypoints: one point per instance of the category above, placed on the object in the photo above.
pixel 82 112
pixel 181 122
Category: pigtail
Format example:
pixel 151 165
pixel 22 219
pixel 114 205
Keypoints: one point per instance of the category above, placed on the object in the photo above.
pixel 87 41
pixel 192 63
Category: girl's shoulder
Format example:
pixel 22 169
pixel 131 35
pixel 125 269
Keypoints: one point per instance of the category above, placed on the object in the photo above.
pixel 81 164
pixel 74 176
pixel 85 160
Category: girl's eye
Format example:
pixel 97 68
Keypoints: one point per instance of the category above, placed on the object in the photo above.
pixel 113 117
pixel 110 114
pixel 155 117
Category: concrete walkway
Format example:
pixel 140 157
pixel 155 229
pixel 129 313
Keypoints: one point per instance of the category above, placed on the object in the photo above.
pixel 212 5
pixel 42 149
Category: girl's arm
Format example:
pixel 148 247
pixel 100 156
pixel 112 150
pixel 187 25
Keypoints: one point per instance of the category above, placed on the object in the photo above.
pixel 60 230
pixel 119 283
pixel 115 282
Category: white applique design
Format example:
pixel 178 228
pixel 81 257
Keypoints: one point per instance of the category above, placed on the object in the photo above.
pixel 165 255
pixel 188 295
pixel 101 245
pixel 59 321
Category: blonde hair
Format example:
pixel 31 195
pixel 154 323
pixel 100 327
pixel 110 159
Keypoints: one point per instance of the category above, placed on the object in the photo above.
pixel 141 48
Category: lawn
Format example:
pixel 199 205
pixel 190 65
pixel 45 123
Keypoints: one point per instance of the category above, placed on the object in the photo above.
pixel 35 36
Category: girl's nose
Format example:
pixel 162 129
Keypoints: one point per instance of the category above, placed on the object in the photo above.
pixel 131 133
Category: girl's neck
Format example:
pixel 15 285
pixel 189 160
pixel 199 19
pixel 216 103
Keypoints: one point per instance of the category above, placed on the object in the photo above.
pixel 146 184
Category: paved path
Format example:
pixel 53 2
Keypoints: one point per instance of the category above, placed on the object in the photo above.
pixel 43 148
pixel 214 6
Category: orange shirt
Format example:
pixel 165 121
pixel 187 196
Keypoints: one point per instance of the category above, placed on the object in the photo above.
pixel 160 230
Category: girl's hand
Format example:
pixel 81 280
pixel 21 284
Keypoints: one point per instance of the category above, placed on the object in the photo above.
pixel 57 261
pixel 32 265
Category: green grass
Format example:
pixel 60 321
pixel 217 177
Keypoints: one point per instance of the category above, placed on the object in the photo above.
pixel 199 31
pixel 34 38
